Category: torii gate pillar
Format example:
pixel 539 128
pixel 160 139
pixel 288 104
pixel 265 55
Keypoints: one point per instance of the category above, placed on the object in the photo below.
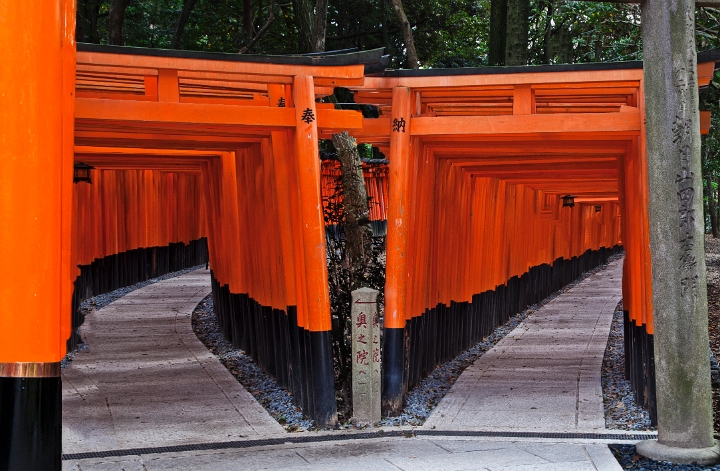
pixel 684 406
pixel 37 85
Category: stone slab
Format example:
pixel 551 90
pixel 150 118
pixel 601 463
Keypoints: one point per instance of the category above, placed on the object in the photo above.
pixel 545 374
pixel 146 380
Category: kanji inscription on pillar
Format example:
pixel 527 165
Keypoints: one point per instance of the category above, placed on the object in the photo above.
pixel 365 356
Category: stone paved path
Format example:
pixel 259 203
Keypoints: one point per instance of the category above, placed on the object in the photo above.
pixel 146 380
pixel 545 374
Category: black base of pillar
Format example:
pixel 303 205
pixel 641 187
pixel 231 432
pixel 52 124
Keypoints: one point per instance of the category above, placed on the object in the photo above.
pixel 392 373
pixel 30 424
pixel 325 407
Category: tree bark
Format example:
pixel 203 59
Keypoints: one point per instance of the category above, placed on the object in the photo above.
pixel 358 234
pixel 116 18
pixel 716 195
pixel 271 17
pixel 498 32
pixel 187 8
pixel 712 206
pixel 248 19
pixel 320 25
pixel 516 44
pixel 559 45
pixel 88 12
pixel 412 58
pixel 304 23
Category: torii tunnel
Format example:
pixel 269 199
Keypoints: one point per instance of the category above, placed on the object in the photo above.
pixel 203 155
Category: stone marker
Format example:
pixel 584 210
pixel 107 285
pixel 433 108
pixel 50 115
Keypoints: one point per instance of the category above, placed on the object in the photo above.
pixel 365 356
pixel 684 407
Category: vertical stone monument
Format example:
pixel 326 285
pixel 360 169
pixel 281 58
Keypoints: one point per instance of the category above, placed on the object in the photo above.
pixel 684 406
pixel 365 356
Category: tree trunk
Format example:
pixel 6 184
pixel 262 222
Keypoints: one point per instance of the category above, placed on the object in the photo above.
pixel 248 19
pixel 358 234
pixel 88 12
pixel 498 31
pixel 385 35
pixel 516 45
pixel 187 8
pixel 116 18
pixel 320 26
pixel 412 58
pixel 304 23
pixel 559 47
pixel 716 196
pixel 712 206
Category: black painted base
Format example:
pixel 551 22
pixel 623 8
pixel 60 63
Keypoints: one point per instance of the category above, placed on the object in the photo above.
pixel 444 331
pixel 325 407
pixel 30 424
pixel 640 365
pixel 299 360
pixel 393 371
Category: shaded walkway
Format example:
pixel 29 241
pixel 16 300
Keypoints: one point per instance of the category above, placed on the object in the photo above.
pixel 545 375
pixel 146 380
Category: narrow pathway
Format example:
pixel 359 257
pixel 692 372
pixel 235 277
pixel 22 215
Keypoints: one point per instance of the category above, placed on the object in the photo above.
pixel 146 380
pixel 545 375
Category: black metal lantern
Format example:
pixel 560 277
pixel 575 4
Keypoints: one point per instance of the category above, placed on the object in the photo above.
pixel 82 172
pixel 598 209
pixel 569 201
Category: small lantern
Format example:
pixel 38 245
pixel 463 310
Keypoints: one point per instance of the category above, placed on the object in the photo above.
pixel 569 201
pixel 598 209
pixel 82 172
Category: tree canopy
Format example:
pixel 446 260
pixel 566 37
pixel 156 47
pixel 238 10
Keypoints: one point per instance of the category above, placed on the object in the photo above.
pixel 446 33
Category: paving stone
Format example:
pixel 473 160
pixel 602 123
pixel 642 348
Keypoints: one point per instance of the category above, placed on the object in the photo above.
pixel 545 375
pixel 145 378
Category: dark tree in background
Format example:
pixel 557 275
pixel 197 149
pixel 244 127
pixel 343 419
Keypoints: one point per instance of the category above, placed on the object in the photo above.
pixel 498 32
pixel 516 32
pixel 187 8
pixel 116 20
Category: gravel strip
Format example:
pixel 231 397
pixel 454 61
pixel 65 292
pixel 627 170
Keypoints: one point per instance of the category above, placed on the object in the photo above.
pixel 102 300
pixel 276 400
pixel 621 410
pixel 629 459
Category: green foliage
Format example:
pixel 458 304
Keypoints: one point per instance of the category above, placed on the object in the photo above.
pixel 447 33
pixel 597 31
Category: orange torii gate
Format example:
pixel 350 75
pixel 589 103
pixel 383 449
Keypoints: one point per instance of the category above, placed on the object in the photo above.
pixel 469 154
pixel 248 127
pixel 500 147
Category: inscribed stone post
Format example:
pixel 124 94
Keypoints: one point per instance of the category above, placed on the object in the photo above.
pixel 682 368
pixel 365 356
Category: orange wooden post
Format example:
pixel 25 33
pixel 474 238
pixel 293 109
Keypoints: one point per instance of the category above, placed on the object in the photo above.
pixel 313 235
pixel 36 122
pixel 397 255
pixel 288 225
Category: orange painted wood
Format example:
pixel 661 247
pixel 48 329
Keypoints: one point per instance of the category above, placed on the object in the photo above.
pixel 306 151
pixel 350 72
pixel 523 100
pixel 398 212
pixel 37 160
pixel 528 124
